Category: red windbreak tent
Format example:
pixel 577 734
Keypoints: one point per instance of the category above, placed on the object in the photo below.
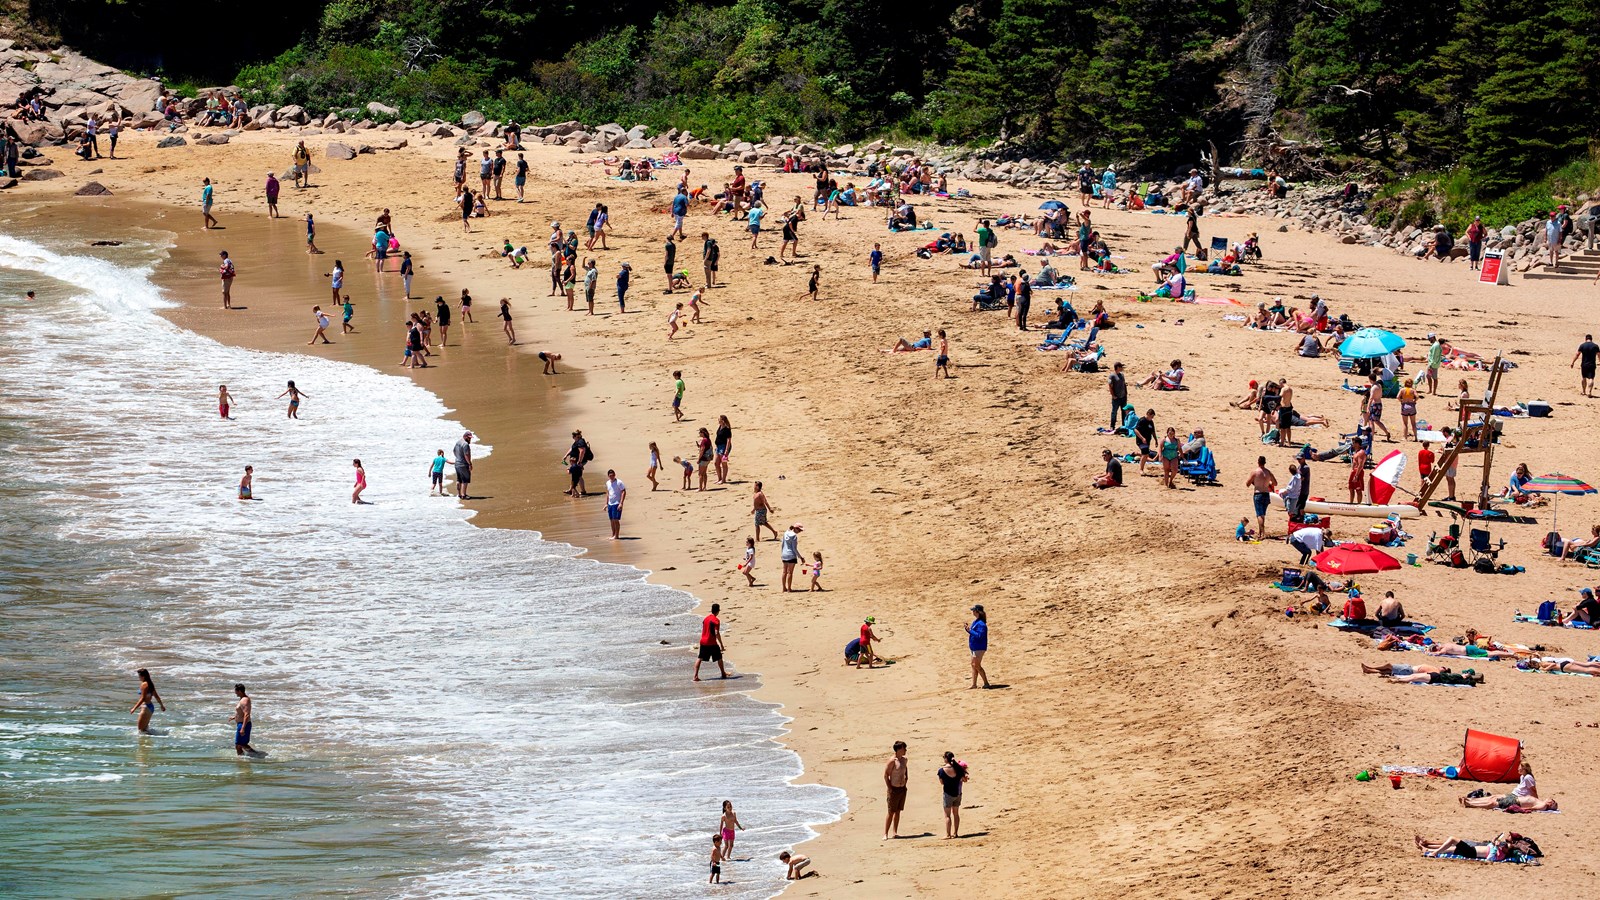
pixel 1490 757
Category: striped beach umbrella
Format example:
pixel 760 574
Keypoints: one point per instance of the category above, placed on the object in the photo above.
pixel 1557 484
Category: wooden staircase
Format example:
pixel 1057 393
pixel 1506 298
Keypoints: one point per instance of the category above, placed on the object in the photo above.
pixel 1581 265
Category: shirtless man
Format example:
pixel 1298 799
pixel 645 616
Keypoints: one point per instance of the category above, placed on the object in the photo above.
pixel 1263 483
pixel 895 777
pixel 762 508
pixel 242 722
pixel 1285 414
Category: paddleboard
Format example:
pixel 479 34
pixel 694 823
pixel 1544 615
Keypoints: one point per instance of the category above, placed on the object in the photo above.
pixel 1355 510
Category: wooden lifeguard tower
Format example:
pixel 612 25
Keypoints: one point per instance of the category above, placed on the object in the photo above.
pixel 1478 430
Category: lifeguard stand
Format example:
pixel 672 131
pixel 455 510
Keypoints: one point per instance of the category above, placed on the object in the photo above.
pixel 1478 432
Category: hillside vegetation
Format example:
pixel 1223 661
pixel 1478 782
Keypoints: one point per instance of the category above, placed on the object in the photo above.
pixel 1492 94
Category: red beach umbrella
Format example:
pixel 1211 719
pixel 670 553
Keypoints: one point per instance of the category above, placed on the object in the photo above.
pixel 1354 559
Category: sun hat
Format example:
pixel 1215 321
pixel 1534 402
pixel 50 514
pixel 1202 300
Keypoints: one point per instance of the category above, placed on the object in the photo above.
pixel 872 620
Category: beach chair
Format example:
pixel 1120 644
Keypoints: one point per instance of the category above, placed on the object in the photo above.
pixel 1091 337
pixel 1441 546
pixel 1202 469
pixel 1480 547
pixel 1589 556
pixel 1079 364
pixel 1057 341
pixel 1219 245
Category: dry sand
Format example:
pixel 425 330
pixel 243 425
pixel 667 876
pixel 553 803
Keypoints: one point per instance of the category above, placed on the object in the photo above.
pixel 1164 730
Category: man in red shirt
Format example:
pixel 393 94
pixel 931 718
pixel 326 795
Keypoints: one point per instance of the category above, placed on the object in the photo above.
pixel 711 642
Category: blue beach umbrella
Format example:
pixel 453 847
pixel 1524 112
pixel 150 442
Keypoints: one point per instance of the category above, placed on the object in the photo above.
pixel 1369 343
pixel 1052 204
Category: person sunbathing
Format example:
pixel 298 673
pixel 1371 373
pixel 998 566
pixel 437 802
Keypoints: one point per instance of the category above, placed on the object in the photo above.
pixel 1497 850
pixel 1470 651
pixel 1570 548
pixel 1509 801
pixel 1170 380
pixel 904 346
pixel 1390 613
pixel 1085 360
pixel 1388 670
pixel 1468 678
pixel 1560 664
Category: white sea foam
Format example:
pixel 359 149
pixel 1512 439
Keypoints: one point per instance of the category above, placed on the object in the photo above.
pixel 520 692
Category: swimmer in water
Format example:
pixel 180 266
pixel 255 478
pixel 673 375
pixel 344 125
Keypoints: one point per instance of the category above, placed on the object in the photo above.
pixel 145 706
pixel 294 394
pixel 224 401
pixel 244 483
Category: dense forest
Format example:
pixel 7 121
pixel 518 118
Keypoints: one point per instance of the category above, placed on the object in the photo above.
pixel 1505 90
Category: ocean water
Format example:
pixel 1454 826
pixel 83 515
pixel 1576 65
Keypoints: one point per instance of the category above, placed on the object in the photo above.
pixel 449 710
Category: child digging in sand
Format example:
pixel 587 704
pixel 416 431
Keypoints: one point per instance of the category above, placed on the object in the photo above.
pixel 797 866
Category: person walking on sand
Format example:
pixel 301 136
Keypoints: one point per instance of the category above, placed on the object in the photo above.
pixel 789 554
pixel 145 706
pixel 1118 384
pixel 952 775
pixel 322 326
pixel 226 271
pixel 505 315
pixel 591 278
pixel 978 644
pixel 725 828
pixel 442 316
pixel 655 465
pixel 616 495
pixel 361 482
pixel 678 388
pixel 294 394
pixel 1285 414
pixel 1262 482
pixel 896 775
pixel 669 260
pixel 272 196
pixel 302 166
pixel 463 465
pixel 723 445
pixel 224 401
pixel 711 648
pixel 1587 353
pixel 942 362
pixel 207 197
pixel 710 257
pixel 672 321
pixel 816 276
pixel 623 275
pixel 763 508
pixel 243 720
pixel 748 565
pixel 336 279
pixel 466 307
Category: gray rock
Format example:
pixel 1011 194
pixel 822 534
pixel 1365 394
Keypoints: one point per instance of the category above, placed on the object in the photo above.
pixel 472 119
pixel 637 144
pixel 638 133
pixel 443 131
pixel 294 115
pixel 844 150
pixel 466 140
pixel 214 139
pixel 41 174
pixel 92 189
pixel 170 140
pixel 7 183
pixel 697 151
pixel 337 150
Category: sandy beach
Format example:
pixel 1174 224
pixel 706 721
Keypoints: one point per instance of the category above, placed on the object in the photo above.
pixel 1159 728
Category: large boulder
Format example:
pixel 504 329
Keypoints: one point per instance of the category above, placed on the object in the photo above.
pixel 294 115
pixel 92 189
pixel 443 131
pixel 472 119
pixel 214 139
pixel 697 151
pixel 41 174
pixel 382 111
pixel 337 150
pixel 170 140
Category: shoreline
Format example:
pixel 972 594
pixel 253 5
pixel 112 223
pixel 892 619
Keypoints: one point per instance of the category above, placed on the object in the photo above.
pixel 894 483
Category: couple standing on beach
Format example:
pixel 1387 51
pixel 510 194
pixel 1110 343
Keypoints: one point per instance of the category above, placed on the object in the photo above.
pixel 897 778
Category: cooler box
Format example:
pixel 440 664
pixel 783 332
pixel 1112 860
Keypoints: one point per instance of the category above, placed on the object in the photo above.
pixel 1539 409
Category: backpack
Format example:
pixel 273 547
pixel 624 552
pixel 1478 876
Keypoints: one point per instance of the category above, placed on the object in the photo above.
pixel 1547 611
pixel 1553 544
pixel 1484 566
pixel 1458 560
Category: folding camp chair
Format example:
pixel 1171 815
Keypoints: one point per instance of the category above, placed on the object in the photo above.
pixel 1091 337
pixel 1440 548
pixel 1478 543
pixel 1219 245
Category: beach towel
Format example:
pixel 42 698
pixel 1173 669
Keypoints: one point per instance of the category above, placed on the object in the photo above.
pixel 1367 626
pixel 1218 301
pixel 1535 620
pixel 1542 672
